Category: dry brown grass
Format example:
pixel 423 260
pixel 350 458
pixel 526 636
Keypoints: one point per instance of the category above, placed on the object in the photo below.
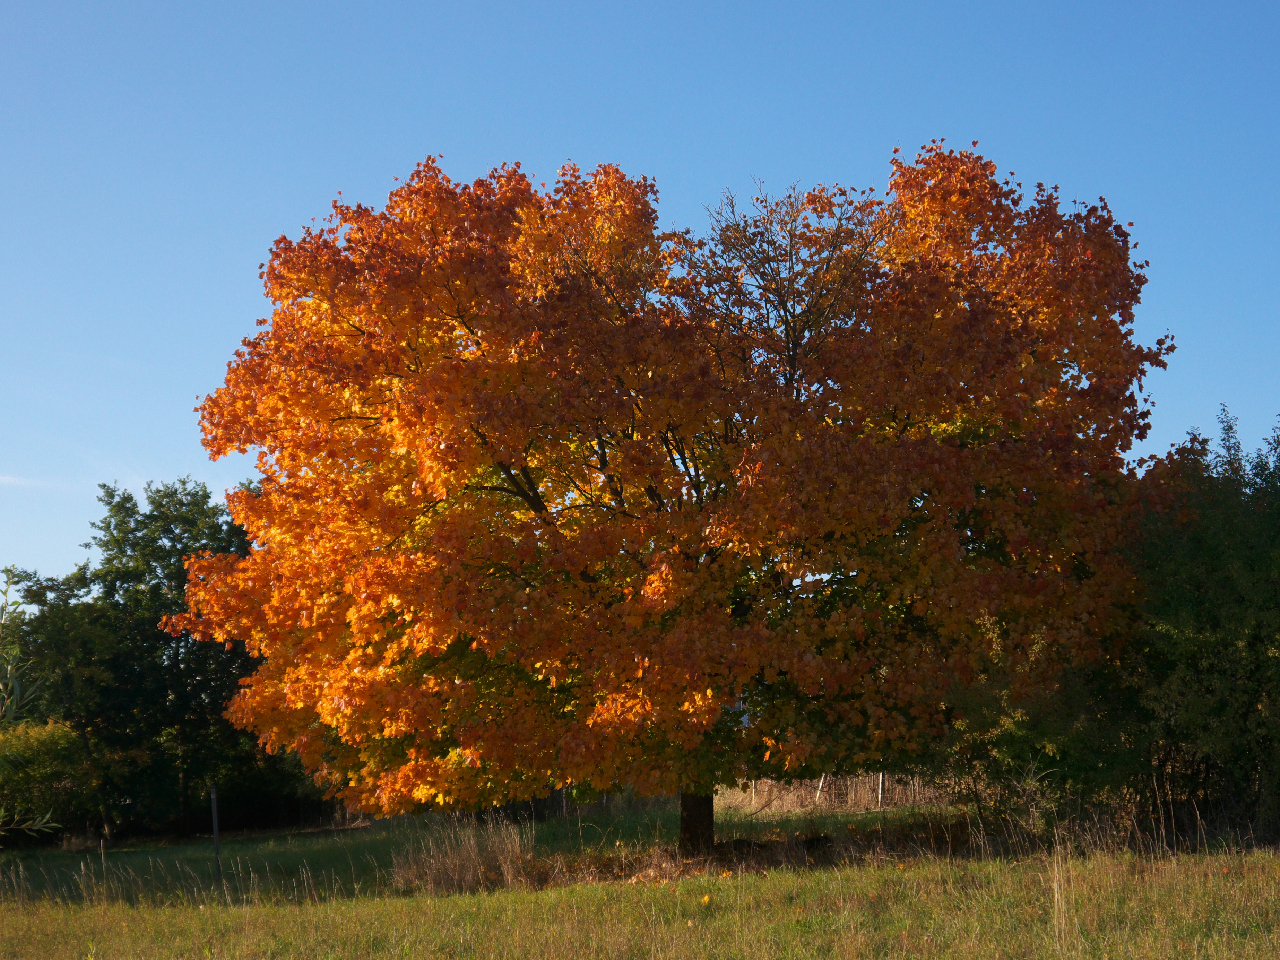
pixel 831 794
pixel 463 857
pixel 766 826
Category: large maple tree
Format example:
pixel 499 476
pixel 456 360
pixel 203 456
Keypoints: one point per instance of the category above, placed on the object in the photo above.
pixel 548 496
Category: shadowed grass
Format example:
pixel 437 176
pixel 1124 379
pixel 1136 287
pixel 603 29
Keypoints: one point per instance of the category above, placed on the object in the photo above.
pixel 311 866
pixel 615 840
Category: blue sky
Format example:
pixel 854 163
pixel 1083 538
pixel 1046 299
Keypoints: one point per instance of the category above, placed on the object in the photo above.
pixel 150 154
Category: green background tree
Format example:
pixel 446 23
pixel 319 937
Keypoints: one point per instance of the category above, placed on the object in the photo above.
pixel 145 706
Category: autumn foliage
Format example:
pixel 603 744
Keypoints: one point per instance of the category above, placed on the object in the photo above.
pixel 548 496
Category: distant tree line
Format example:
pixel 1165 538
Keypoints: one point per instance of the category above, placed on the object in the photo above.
pixel 121 728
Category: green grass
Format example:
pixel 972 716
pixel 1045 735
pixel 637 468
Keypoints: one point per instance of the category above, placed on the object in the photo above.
pixel 307 866
pixel 336 895
pixel 294 866
pixel 1101 907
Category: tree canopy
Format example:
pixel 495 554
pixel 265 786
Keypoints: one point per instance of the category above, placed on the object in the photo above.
pixel 548 496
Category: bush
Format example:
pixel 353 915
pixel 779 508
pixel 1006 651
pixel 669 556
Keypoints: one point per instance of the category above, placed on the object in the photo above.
pixel 47 773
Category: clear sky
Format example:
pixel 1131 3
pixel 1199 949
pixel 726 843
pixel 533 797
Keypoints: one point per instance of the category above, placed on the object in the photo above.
pixel 150 154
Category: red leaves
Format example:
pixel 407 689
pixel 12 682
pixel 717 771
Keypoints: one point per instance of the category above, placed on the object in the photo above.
pixel 551 497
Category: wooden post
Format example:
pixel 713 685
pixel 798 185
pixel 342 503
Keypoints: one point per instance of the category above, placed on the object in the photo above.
pixel 217 846
pixel 880 799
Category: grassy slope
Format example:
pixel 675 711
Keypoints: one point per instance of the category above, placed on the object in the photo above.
pixel 1101 907
pixel 875 904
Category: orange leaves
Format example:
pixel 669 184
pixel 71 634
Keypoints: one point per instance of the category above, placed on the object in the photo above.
pixel 549 497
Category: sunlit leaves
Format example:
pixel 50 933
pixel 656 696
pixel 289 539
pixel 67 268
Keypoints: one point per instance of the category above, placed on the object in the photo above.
pixel 549 496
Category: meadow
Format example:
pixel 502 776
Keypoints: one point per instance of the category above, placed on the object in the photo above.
pixel 607 882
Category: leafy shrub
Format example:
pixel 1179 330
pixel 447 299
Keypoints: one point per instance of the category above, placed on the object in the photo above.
pixel 47 773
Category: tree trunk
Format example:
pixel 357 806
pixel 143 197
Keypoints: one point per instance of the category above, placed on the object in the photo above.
pixel 184 814
pixel 100 782
pixel 697 823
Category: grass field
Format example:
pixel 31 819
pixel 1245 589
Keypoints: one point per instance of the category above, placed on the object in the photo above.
pixel 609 885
